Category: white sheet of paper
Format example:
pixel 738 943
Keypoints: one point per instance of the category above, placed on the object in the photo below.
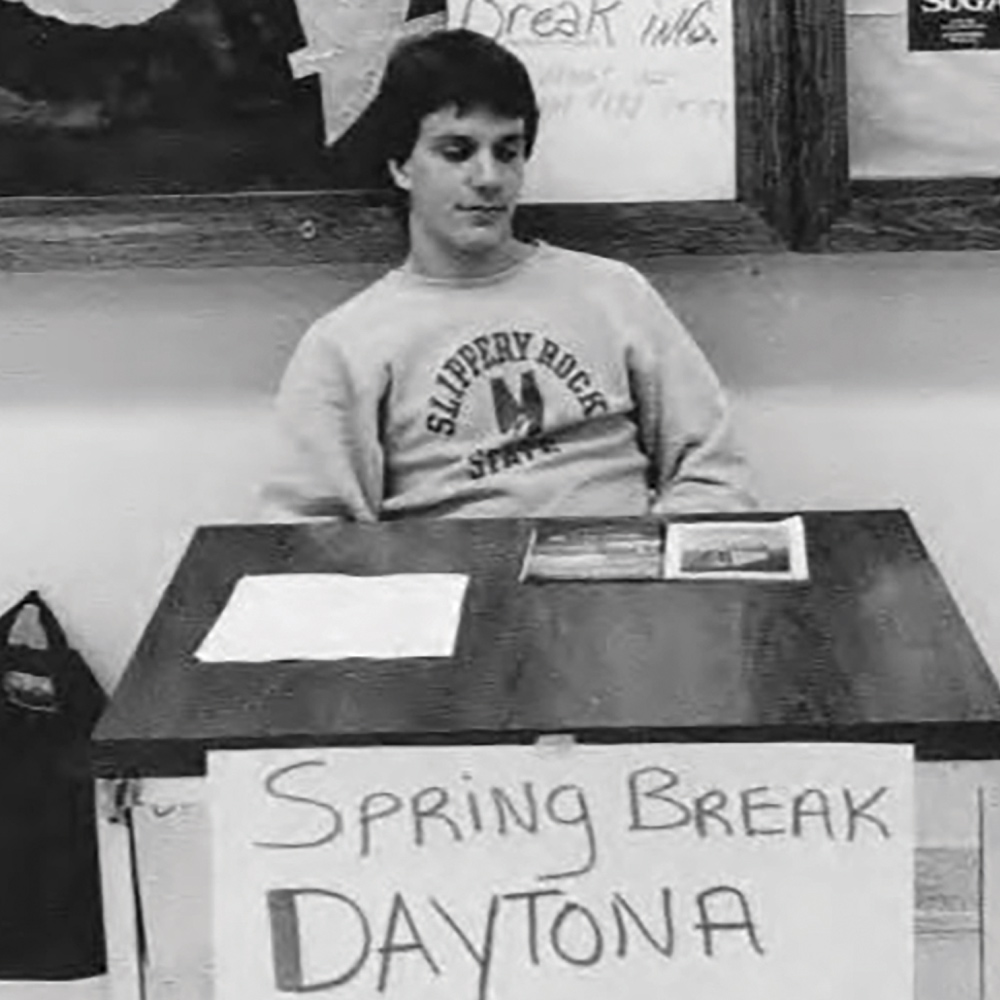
pixel 325 616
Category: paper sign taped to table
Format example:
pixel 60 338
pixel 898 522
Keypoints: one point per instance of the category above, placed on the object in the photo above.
pixel 637 97
pixel 750 872
pixel 330 616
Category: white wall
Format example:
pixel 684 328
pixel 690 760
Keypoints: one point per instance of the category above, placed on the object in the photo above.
pixel 134 406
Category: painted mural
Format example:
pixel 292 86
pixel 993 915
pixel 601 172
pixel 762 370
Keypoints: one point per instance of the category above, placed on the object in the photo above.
pixel 121 96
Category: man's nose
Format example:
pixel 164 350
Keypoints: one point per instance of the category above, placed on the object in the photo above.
pixel 485 170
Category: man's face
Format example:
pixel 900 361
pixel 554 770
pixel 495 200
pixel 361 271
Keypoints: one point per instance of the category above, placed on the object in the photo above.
pixel 463 176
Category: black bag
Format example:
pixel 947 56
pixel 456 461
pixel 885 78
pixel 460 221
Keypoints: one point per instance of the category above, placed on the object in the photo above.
pixel 51 923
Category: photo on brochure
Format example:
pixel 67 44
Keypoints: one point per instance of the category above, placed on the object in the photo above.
pixel 736 550
pixel 596 551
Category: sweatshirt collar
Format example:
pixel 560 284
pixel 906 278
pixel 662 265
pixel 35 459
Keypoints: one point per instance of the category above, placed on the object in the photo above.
pixel 416 279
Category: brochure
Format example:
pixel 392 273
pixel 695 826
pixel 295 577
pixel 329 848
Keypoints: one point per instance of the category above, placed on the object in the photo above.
pixel 752 550
pixel 736 550
pixel 595 552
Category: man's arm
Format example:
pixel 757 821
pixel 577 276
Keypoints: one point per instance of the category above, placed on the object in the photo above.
pixel 329 458
pixel 683 417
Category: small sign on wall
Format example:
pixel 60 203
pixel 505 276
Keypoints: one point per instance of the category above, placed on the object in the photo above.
pixel 751 872
pixel 937 25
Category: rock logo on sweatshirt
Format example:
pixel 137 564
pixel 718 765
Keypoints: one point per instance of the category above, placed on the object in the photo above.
pixel 497 361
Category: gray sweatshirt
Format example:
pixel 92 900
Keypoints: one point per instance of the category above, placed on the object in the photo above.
pixel 562 386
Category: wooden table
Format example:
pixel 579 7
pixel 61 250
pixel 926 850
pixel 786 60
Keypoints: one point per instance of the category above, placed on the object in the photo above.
pixel 873 648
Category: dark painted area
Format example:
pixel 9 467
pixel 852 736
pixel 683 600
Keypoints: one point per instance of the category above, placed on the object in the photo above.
pixel 200 98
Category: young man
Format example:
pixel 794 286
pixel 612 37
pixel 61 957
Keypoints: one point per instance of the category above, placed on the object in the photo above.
pixel 487 376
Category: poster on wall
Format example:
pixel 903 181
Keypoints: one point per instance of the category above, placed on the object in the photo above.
pixel 637 97
pixel 942 25
pixel 928 114
pixel 196 96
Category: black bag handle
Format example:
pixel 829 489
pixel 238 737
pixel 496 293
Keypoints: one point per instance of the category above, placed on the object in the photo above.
pixel 54 634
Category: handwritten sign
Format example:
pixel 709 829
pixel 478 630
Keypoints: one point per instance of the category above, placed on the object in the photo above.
pixel 751 872
pixel 637 96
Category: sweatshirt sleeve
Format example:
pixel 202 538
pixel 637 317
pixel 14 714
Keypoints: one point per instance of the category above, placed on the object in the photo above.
pixel 683 416
pixel 328 460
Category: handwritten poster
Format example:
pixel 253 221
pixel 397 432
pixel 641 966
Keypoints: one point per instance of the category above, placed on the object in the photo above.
pixel 751 872
pixel 637 96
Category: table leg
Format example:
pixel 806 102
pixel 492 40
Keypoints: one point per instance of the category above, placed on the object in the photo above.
pixel 990 791
pixel 122 927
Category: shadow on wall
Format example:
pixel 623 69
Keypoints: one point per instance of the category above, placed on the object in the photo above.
pixel 926 453
pixel 99 504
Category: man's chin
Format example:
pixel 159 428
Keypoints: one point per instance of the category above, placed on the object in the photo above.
pixel 485 239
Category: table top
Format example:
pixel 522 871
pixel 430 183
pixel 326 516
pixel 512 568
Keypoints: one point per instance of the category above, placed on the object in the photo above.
pixel 873 647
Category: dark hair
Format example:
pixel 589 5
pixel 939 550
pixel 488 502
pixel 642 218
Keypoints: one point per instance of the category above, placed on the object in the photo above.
pixel 450 68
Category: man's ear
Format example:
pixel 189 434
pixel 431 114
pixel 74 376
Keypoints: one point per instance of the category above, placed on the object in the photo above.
pixel 400 175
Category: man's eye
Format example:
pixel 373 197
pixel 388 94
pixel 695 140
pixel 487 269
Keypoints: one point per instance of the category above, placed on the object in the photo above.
pixel 508 154
pixel 456 152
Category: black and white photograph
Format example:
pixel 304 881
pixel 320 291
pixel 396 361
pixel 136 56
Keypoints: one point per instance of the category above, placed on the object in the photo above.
pixel 497 499
pixel 589 551
pixel 728 550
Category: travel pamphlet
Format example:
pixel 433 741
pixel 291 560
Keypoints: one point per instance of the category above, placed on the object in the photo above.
pixel 757 550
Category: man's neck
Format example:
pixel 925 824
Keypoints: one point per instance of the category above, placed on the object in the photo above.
pixel 429 263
